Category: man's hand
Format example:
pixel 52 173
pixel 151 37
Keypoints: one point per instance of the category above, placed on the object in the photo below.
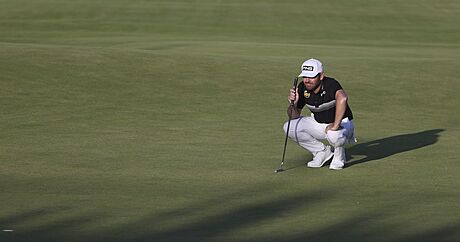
pixel 293 97
pixel 332 127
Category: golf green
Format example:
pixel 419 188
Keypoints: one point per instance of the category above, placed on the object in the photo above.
pixel 138 120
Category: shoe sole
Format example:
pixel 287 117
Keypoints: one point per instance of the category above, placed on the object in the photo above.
pixel 335 168
pixel 322 163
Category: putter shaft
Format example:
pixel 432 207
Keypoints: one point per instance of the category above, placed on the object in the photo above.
pixel 294 86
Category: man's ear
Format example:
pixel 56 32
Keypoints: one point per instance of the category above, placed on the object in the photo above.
pixel 321 76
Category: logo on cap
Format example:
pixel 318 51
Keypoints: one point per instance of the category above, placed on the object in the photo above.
pixel 307 68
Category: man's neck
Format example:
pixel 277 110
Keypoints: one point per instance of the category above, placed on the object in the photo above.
pixel 318 88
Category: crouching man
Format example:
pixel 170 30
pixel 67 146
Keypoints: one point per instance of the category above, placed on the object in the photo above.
pixel 330 119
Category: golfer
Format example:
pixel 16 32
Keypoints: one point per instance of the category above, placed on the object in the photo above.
pixel 330 119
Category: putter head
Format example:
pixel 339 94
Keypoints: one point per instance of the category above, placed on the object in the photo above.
pixel 279 170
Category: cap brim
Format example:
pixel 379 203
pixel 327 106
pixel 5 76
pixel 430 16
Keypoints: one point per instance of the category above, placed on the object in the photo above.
pixel 308 74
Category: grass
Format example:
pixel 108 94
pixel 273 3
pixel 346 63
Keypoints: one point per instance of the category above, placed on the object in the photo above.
pixel 161 120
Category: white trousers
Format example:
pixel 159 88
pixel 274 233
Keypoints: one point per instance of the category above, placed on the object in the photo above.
pixel 309 134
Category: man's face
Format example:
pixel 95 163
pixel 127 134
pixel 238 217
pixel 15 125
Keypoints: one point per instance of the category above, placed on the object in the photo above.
pixel 312 83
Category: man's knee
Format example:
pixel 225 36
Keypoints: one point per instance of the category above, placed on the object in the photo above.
pixel 336 138
pixel 291 130
pixel 285 127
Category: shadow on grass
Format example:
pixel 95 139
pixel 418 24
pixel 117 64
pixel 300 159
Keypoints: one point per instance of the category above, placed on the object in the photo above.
pixel 225 224
pixel 382 148
pixel 45 224
pixel 190 224
pixel 358 228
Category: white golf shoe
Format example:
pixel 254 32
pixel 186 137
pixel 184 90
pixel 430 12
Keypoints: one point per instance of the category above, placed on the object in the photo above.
pixel 338 161
pixel 321 157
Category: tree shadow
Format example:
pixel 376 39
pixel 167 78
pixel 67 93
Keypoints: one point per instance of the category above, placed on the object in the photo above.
pixel 203 228
pixel 382 148
pixel 44 227
pixel 360 227
pixel 225 224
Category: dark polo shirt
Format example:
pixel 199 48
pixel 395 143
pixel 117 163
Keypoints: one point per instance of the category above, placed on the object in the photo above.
pixel 322 104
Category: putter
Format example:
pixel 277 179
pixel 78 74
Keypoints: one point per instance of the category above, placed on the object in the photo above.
pixel 281 167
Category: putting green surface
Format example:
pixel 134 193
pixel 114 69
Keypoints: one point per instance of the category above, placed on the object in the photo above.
pixel 161 120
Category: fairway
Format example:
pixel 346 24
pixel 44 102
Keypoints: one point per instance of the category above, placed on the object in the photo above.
pixel 138 120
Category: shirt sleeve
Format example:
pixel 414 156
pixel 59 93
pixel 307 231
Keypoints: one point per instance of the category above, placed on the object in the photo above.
pixel 335 86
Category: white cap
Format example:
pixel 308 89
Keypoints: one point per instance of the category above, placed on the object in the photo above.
pixel 311 68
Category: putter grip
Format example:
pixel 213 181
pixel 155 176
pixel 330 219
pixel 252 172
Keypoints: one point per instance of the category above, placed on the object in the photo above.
pixel 294 86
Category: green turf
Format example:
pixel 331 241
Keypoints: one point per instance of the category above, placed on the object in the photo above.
pixel 137 120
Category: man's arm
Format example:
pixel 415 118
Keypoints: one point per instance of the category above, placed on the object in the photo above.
pixel 340 107
pixel 293 112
